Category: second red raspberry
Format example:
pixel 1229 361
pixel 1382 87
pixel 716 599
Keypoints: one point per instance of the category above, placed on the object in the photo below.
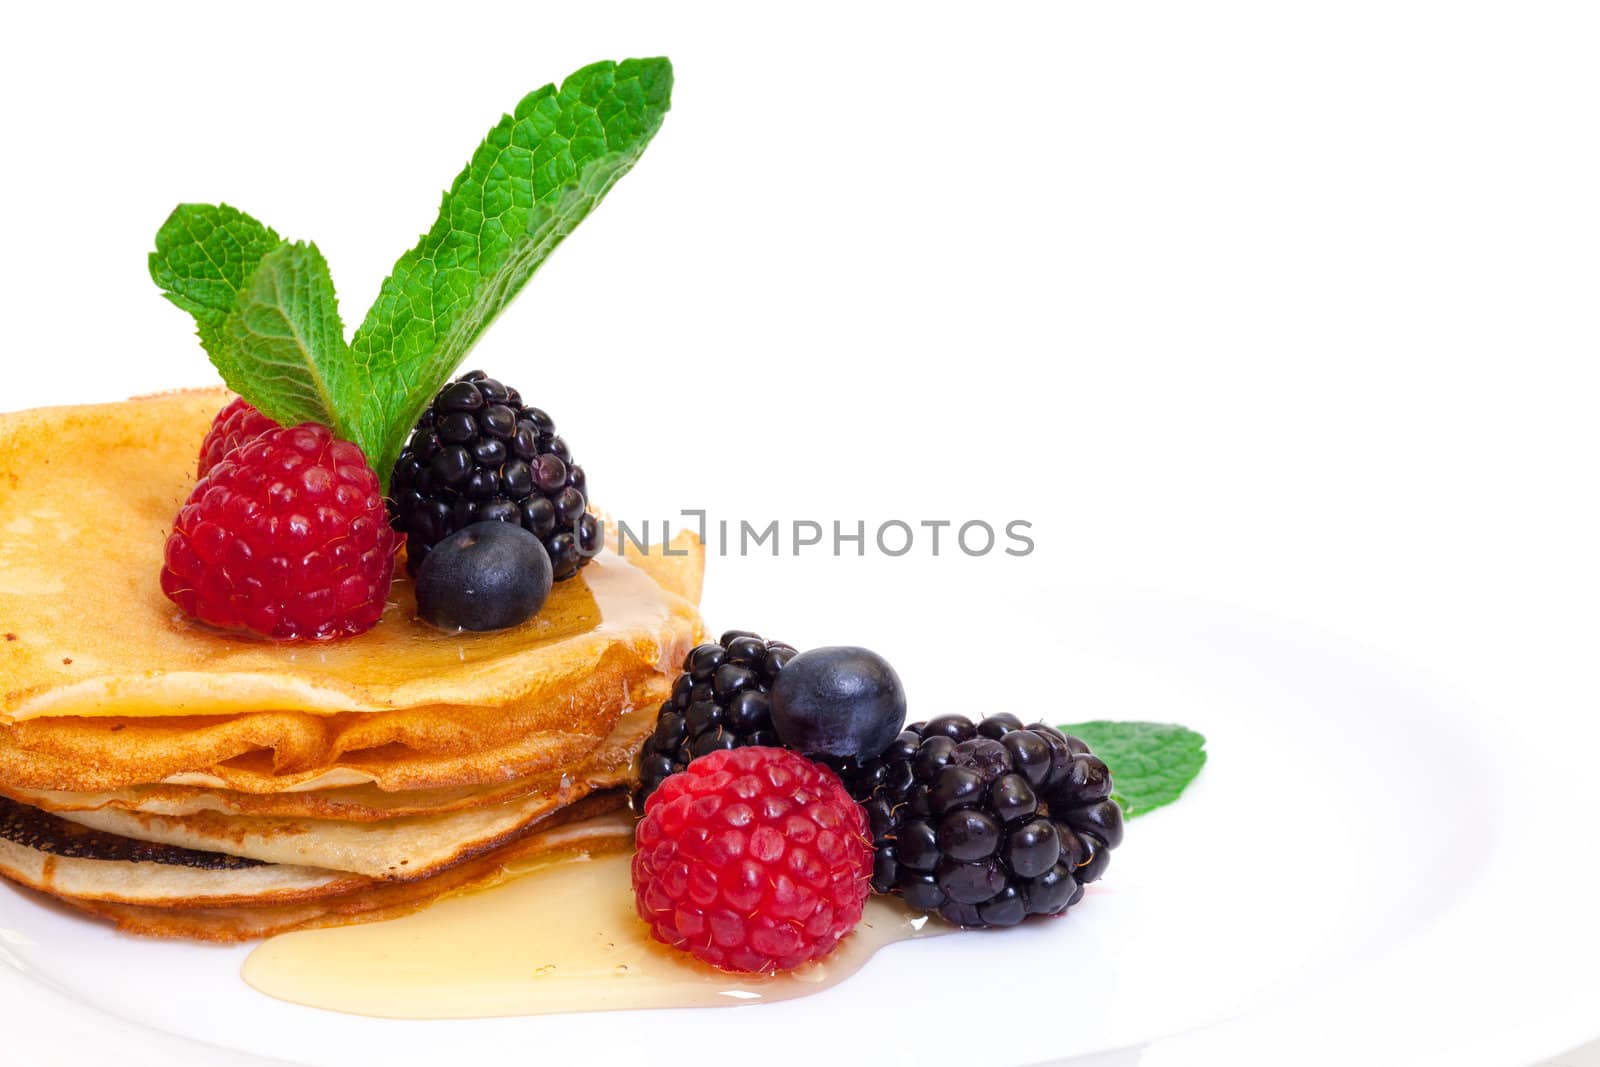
pixel 286 536
pixel 753 860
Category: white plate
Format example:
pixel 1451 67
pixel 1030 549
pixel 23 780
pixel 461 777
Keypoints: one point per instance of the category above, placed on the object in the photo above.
pixel 1300 854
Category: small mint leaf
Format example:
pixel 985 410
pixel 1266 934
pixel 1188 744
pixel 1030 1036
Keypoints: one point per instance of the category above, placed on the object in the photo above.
pixel 204 254
pixel 538 173
pixel 1151 763
pixel 284 348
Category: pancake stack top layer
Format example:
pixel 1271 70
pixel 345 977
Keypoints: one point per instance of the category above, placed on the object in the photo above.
pixel 333 769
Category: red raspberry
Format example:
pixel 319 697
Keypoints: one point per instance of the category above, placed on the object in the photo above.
pixel 753 859
pixel 286 536
pixel 234 425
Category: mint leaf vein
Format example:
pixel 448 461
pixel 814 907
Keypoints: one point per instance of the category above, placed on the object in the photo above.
pixel 537 174
pixel 285 344
pixel 1151 763
pixel 266 312
pixel 204 255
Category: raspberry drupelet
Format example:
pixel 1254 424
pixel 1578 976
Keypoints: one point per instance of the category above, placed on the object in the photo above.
pixel 285 536
pixel 234 425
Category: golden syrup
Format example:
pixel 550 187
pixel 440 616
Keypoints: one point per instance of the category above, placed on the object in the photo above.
pixel 558 936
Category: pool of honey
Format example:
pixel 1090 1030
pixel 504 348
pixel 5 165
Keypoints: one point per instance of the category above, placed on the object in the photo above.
pixel 559 937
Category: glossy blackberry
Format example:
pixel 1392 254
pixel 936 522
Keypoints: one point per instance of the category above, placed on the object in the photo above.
pixel 988 823
pixel 479 454
pixel 721 700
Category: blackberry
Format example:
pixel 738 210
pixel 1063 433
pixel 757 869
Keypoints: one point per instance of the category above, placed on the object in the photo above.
pixel 479 455
pixel 988 823
pixel 721 700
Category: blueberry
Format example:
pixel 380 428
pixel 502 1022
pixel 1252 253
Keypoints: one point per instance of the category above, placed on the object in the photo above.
pixel 840 701
pixel 488 576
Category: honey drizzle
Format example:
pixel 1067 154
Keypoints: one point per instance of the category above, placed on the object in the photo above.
pixel 559 937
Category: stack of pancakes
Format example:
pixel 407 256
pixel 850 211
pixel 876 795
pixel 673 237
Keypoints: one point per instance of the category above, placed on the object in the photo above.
pixel 179 780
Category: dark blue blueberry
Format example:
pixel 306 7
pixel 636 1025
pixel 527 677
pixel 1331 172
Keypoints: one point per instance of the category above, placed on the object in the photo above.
pixel 488 576
pixel 844 702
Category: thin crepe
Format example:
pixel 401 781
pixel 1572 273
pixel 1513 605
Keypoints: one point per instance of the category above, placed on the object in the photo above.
pixel 278 752
pixel 87 495
pixel 405 848
pixel 84 866
pixel 360 803
pixel 591 834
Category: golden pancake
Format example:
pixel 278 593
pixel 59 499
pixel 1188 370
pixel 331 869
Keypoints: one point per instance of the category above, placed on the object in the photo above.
pixel 47 853
pixel 402 848
pixel 586 833
pixel 123 691
pixel 87 631
pixel 271 752
pixel 79 864
pixel 356 803
pixel 184 781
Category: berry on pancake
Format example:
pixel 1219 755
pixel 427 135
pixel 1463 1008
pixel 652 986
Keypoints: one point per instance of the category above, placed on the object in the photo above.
pixel 478 454
pixel 286 537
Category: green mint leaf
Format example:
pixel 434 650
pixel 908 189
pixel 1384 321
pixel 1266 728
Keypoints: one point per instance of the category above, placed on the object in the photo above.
pixel 283 344
pixel 204 254
pixel 535 177
pixel 1151 762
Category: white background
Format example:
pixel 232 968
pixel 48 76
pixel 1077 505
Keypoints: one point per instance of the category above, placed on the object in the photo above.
pixel 1286 307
